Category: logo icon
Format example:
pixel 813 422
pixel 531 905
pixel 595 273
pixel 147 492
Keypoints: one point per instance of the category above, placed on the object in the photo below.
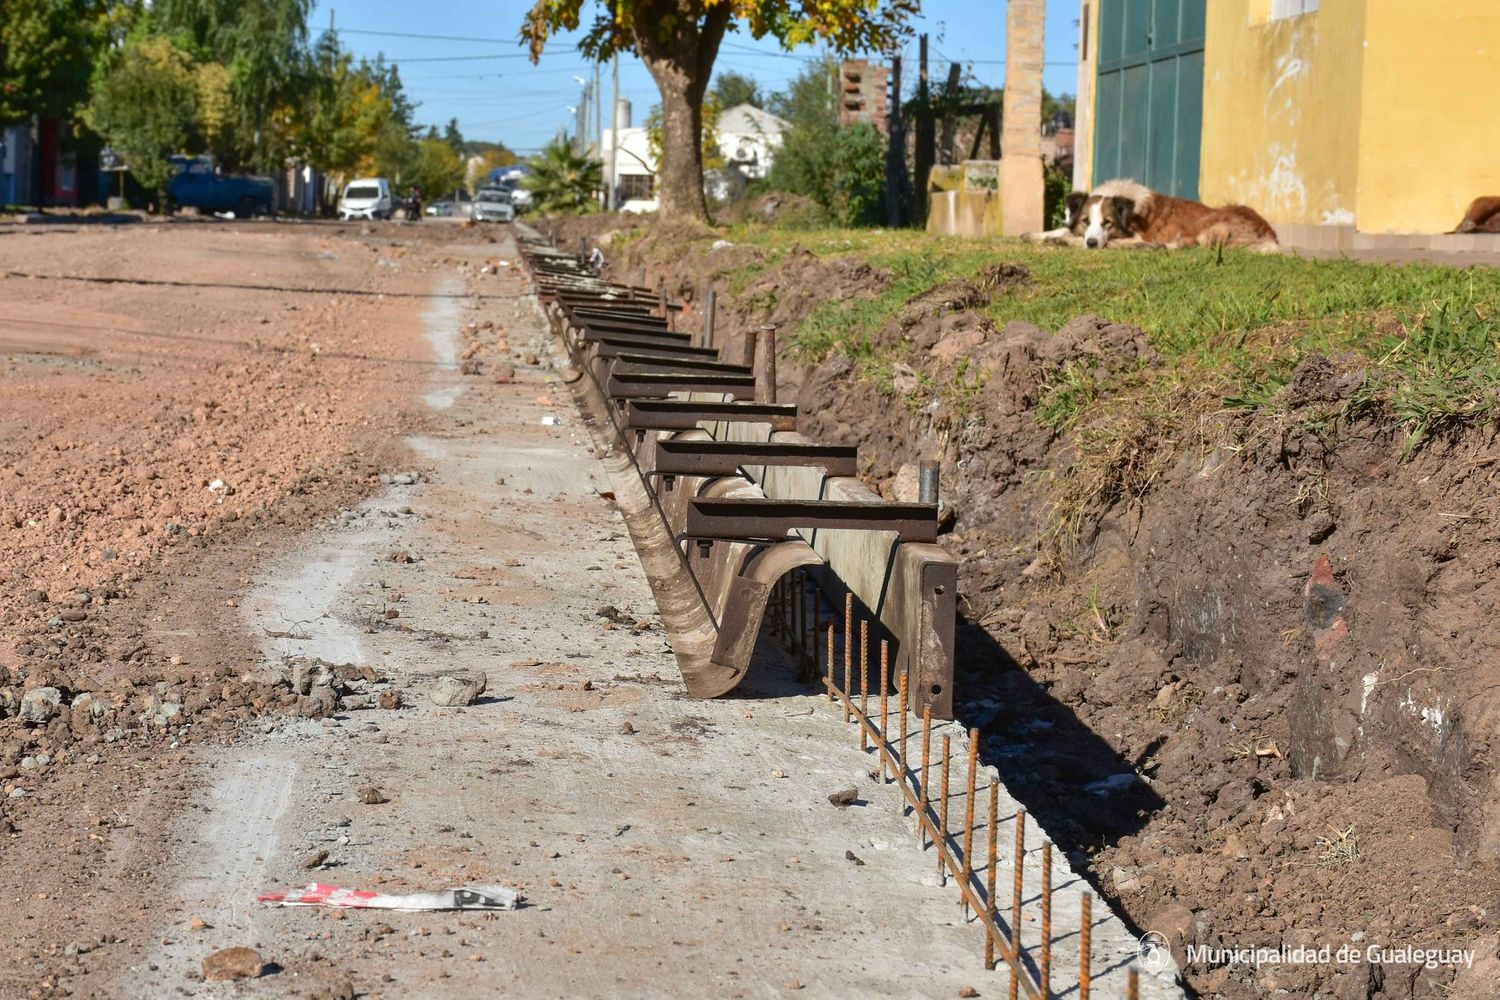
pixel 1153 952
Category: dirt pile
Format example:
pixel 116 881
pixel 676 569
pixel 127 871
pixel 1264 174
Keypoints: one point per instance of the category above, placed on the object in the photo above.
pixel 1237 661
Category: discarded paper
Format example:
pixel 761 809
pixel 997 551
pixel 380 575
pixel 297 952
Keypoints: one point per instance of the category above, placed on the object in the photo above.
pixel 469 897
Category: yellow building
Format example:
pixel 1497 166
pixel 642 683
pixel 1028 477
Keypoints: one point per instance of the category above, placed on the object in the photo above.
pixel 1341 121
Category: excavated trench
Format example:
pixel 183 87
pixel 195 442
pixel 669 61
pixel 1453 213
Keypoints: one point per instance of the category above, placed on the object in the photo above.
pixel 1254 693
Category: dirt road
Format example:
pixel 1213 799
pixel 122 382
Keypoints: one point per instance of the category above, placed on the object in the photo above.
pixel 275 459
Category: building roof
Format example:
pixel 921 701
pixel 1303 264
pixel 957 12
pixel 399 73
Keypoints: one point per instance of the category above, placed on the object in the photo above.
pixel 747 118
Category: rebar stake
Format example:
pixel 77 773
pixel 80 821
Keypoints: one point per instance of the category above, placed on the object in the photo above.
pixel 1044 967
pixel 924 789
pixel 848 654
pixel 942 836
pixel 968 871
pixel 989 889
pixel 885 680
pixel 864 685
pixel 1015 910
pixel 1085 933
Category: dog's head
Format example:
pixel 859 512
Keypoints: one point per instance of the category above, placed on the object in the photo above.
pixel 1100 218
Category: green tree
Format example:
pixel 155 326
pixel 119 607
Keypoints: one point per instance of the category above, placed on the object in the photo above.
pixel 731 89
pixel 562 182
pixel 146 106
pixel 437 169
pixel 858 181
pixel 47 54
pixel 842 169
pixel 263 45
pixel 453 137
pixel 678 40
pixel 711 156
pixel 804 163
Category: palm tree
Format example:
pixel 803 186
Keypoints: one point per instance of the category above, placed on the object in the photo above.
pixel 562 182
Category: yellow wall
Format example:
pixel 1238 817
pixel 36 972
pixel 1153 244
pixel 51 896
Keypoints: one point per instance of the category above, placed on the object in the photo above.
pixel 1430 121
pixel 1281 109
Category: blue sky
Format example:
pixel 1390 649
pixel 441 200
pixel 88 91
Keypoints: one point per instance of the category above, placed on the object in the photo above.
pixel 480 75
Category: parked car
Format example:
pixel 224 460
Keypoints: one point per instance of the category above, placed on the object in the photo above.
pixel 440 208
pixel 492 205
pixel 367 198
pixel 520 199
pixel 198 184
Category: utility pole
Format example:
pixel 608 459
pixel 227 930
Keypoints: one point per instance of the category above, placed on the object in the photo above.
pixel 895 156
pixel 581 125
pixel 613 197
pixel 926 138
pixel 598 116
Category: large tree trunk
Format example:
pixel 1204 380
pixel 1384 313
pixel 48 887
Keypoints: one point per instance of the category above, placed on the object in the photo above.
pixel 680 192
pixel 681 69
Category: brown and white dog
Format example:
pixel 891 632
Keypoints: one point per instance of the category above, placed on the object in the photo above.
pixel 1121 210
pixel 1483 216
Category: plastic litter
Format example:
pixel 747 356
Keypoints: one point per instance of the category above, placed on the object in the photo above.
pixel 468 897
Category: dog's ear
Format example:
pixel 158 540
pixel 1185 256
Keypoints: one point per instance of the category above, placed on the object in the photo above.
pixel 1075 202
pixel 1124 214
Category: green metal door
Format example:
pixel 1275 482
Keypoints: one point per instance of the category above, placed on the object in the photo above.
pixel 1149 108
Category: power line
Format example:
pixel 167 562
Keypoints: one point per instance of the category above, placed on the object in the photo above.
pixel 431 38
pixel 415 59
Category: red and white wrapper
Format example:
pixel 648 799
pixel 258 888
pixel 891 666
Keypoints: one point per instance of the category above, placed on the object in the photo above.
pixel 469 897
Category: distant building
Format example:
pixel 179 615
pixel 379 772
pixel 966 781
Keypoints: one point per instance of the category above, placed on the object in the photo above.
pixel 1340 121
pixel 748 138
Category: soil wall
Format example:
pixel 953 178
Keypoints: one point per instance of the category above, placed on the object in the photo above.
pixel 1239 662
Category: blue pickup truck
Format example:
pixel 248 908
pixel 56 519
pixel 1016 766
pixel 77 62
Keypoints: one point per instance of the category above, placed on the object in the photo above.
pixel 196 184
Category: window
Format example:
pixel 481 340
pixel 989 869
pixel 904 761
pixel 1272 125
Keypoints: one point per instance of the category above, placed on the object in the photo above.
pixel 637 187
pixel 1283 9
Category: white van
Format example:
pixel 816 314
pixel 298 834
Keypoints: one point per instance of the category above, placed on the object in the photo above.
pixel 367 198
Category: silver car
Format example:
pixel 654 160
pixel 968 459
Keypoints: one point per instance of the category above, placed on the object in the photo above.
pixel 491 206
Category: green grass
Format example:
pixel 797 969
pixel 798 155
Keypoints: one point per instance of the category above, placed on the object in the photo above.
pixel 1429 333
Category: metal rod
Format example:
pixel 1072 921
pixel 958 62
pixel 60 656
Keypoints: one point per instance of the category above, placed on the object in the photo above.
pixel 1085 932
pixel 924 786
pixel 710 312
pixel 1015 907
pixel 830 658
pixel 968 871
pixel 927 481
pixel 901 698
pixel 848 651
pixel 989 889
pixel 797 621
pixel 885 682
pixel 1132 984
pixel 1044 967
pixel 864 682
pixel 942 835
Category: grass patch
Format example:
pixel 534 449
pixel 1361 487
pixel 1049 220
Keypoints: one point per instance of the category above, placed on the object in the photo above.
pixel 1428 331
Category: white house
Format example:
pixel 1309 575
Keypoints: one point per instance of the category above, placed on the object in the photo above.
pixel 747 136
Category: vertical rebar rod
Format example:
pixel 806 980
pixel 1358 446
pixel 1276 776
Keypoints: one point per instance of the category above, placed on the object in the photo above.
pixel 1132 984
pixel 901 756
pixel 848 654
pixel 1044 967
pixel 924 789
pixel 989 877
pixel 942 834
pixel 831 624
pixel 969 818
pixel 1085 933
pixel 1015 906
pixel 864 684
pixel 885 682
pixel 798 610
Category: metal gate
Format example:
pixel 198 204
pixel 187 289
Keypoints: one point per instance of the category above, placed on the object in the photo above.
pixel 1150 93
